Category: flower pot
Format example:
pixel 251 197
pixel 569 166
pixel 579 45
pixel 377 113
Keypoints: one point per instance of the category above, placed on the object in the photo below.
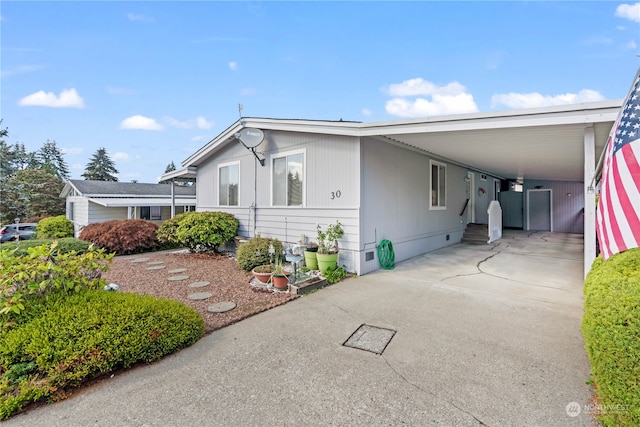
pixel 262 273
pixel 310 260
pixel 327 262
pixel 280 281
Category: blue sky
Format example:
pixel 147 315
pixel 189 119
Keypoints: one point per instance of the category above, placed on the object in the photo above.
pixel 154 81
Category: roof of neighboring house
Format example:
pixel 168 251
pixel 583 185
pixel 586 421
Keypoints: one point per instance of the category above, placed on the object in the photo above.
pixel 536 143
pixel 94 189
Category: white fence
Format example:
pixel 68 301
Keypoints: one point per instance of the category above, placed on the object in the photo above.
pixel 495 221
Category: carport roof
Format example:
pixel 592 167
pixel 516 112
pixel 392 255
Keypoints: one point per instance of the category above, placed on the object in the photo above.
pixel 541 143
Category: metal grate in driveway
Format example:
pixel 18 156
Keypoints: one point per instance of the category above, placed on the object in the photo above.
pixel 370 338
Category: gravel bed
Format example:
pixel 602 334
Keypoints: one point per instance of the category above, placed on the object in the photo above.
pixel 226 283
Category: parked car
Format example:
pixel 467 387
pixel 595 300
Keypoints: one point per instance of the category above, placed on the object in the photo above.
pixel 10 232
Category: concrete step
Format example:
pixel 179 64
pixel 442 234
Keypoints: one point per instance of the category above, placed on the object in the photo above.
pixel 476 234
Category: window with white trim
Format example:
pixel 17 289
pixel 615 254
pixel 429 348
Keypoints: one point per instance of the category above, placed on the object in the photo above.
pixel 438 185
pixel 228 184
pixel 287 179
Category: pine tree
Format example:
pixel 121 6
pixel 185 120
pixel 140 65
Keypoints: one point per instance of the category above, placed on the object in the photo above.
pixel 100 167
pixel 50 157
pixel 170 168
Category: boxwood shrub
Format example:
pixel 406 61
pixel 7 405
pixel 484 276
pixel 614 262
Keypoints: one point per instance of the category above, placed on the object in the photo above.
pixel 611 329
pixel 255 252
pixel 54 227
pixel 77 337
pixel 199 231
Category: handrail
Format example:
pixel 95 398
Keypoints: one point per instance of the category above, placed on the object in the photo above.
pixel 464 208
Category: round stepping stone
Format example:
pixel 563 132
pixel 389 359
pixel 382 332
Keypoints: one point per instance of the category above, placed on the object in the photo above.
pixel 221 307
pixel 198 284
pixel 177 278
pixel 177 270
pixel 156 262
pixel 200 296
pixel 137 260
pixel 155 267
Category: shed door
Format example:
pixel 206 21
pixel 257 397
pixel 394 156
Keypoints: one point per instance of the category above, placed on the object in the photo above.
pixel 511 203
pixel 539 210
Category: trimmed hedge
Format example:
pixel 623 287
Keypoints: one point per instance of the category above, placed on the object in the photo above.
pixel 54 227
pixel 66 244
pixel 199 231
pixel 77 337
pixel 611 329
pixel 255 252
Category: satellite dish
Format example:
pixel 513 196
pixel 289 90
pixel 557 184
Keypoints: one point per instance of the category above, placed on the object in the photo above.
pixel 251 137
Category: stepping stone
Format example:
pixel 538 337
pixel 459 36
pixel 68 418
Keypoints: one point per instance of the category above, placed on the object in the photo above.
pixel 156 262
pixel 177 278
pixel 137 260
pixel 177 270
pixel 221 307
pixel 155 267
pixel 200 296
pixel 198 284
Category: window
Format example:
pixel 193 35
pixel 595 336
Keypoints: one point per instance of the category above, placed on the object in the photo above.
pixel 438 185
pixel 287 185
pixel 228 183
pixel 156 212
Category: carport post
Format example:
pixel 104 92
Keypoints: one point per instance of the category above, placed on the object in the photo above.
pixel 589 198
pixel 173 198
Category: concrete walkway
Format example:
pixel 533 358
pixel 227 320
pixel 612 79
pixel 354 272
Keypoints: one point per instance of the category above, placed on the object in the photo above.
pixel 485 335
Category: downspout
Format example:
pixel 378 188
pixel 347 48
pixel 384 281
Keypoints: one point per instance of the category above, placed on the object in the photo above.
pixel 255 194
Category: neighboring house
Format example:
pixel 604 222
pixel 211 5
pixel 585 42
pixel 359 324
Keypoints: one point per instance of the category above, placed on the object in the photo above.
pixel 407 181
pixel 99 201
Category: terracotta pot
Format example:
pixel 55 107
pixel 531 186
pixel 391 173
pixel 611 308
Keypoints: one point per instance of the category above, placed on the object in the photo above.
pixel 264 277
pixel 280 282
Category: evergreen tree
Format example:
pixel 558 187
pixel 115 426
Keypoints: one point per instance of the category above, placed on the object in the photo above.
pixel 32 192
pixel 100 167
pixel 170 168
pixel 23 159
pixel 50 157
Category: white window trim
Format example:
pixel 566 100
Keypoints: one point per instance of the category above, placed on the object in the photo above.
pixel 439 164
pixel 217 196
pixel 304 176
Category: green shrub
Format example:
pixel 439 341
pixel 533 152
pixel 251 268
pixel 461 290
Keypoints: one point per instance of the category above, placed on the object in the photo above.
pixel 255 252
pixel 86 334
pixel 54 227
pixel 27 279
pixel 199 231
pixel 66 244
pixel 127 236
pixel 611 329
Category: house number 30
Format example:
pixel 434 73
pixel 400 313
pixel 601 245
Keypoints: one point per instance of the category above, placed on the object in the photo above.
pixel 336 194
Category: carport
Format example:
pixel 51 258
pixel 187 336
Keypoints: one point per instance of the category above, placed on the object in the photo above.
pixel 559 143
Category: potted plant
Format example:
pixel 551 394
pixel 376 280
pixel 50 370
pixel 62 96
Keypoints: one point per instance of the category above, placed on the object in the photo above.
pixel 310 258
pixel 328 246
pixel 263 273
pixel 279 277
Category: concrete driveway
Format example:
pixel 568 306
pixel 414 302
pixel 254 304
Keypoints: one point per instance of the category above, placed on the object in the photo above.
pixel 485 335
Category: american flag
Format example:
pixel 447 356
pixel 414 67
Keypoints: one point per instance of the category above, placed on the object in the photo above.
pixel 618 213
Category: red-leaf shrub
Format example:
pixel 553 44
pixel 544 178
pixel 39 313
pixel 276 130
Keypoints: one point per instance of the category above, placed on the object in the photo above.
pixel 123 237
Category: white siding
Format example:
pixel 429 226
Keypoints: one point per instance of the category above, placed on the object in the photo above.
pixel 395 203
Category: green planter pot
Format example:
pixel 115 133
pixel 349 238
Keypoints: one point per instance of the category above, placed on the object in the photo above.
pixel 310 260
pixel 327 262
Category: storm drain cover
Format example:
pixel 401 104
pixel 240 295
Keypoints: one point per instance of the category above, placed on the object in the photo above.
pixel 370 338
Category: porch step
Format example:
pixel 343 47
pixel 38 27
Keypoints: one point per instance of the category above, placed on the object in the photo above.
pixel 476 234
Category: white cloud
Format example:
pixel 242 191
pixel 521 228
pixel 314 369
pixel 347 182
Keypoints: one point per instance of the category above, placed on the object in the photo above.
pixel 248 91
pixel 140 122
pixel 233 66
pixel 75 151
pixel 629 11
pixel 68 98
pixel 198 138
pixel 366 112
pixel 532 100
pixel 137 17
pixel 449 99
pixel 121 156
pixel 20 69
pixel 631 45
pixel 77 166
pixel 199 122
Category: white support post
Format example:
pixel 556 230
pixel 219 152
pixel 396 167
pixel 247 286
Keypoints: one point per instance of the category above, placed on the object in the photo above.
pixel 589 199
pixel 173 198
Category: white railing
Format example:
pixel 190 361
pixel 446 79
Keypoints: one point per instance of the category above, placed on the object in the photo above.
pixel 495 221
